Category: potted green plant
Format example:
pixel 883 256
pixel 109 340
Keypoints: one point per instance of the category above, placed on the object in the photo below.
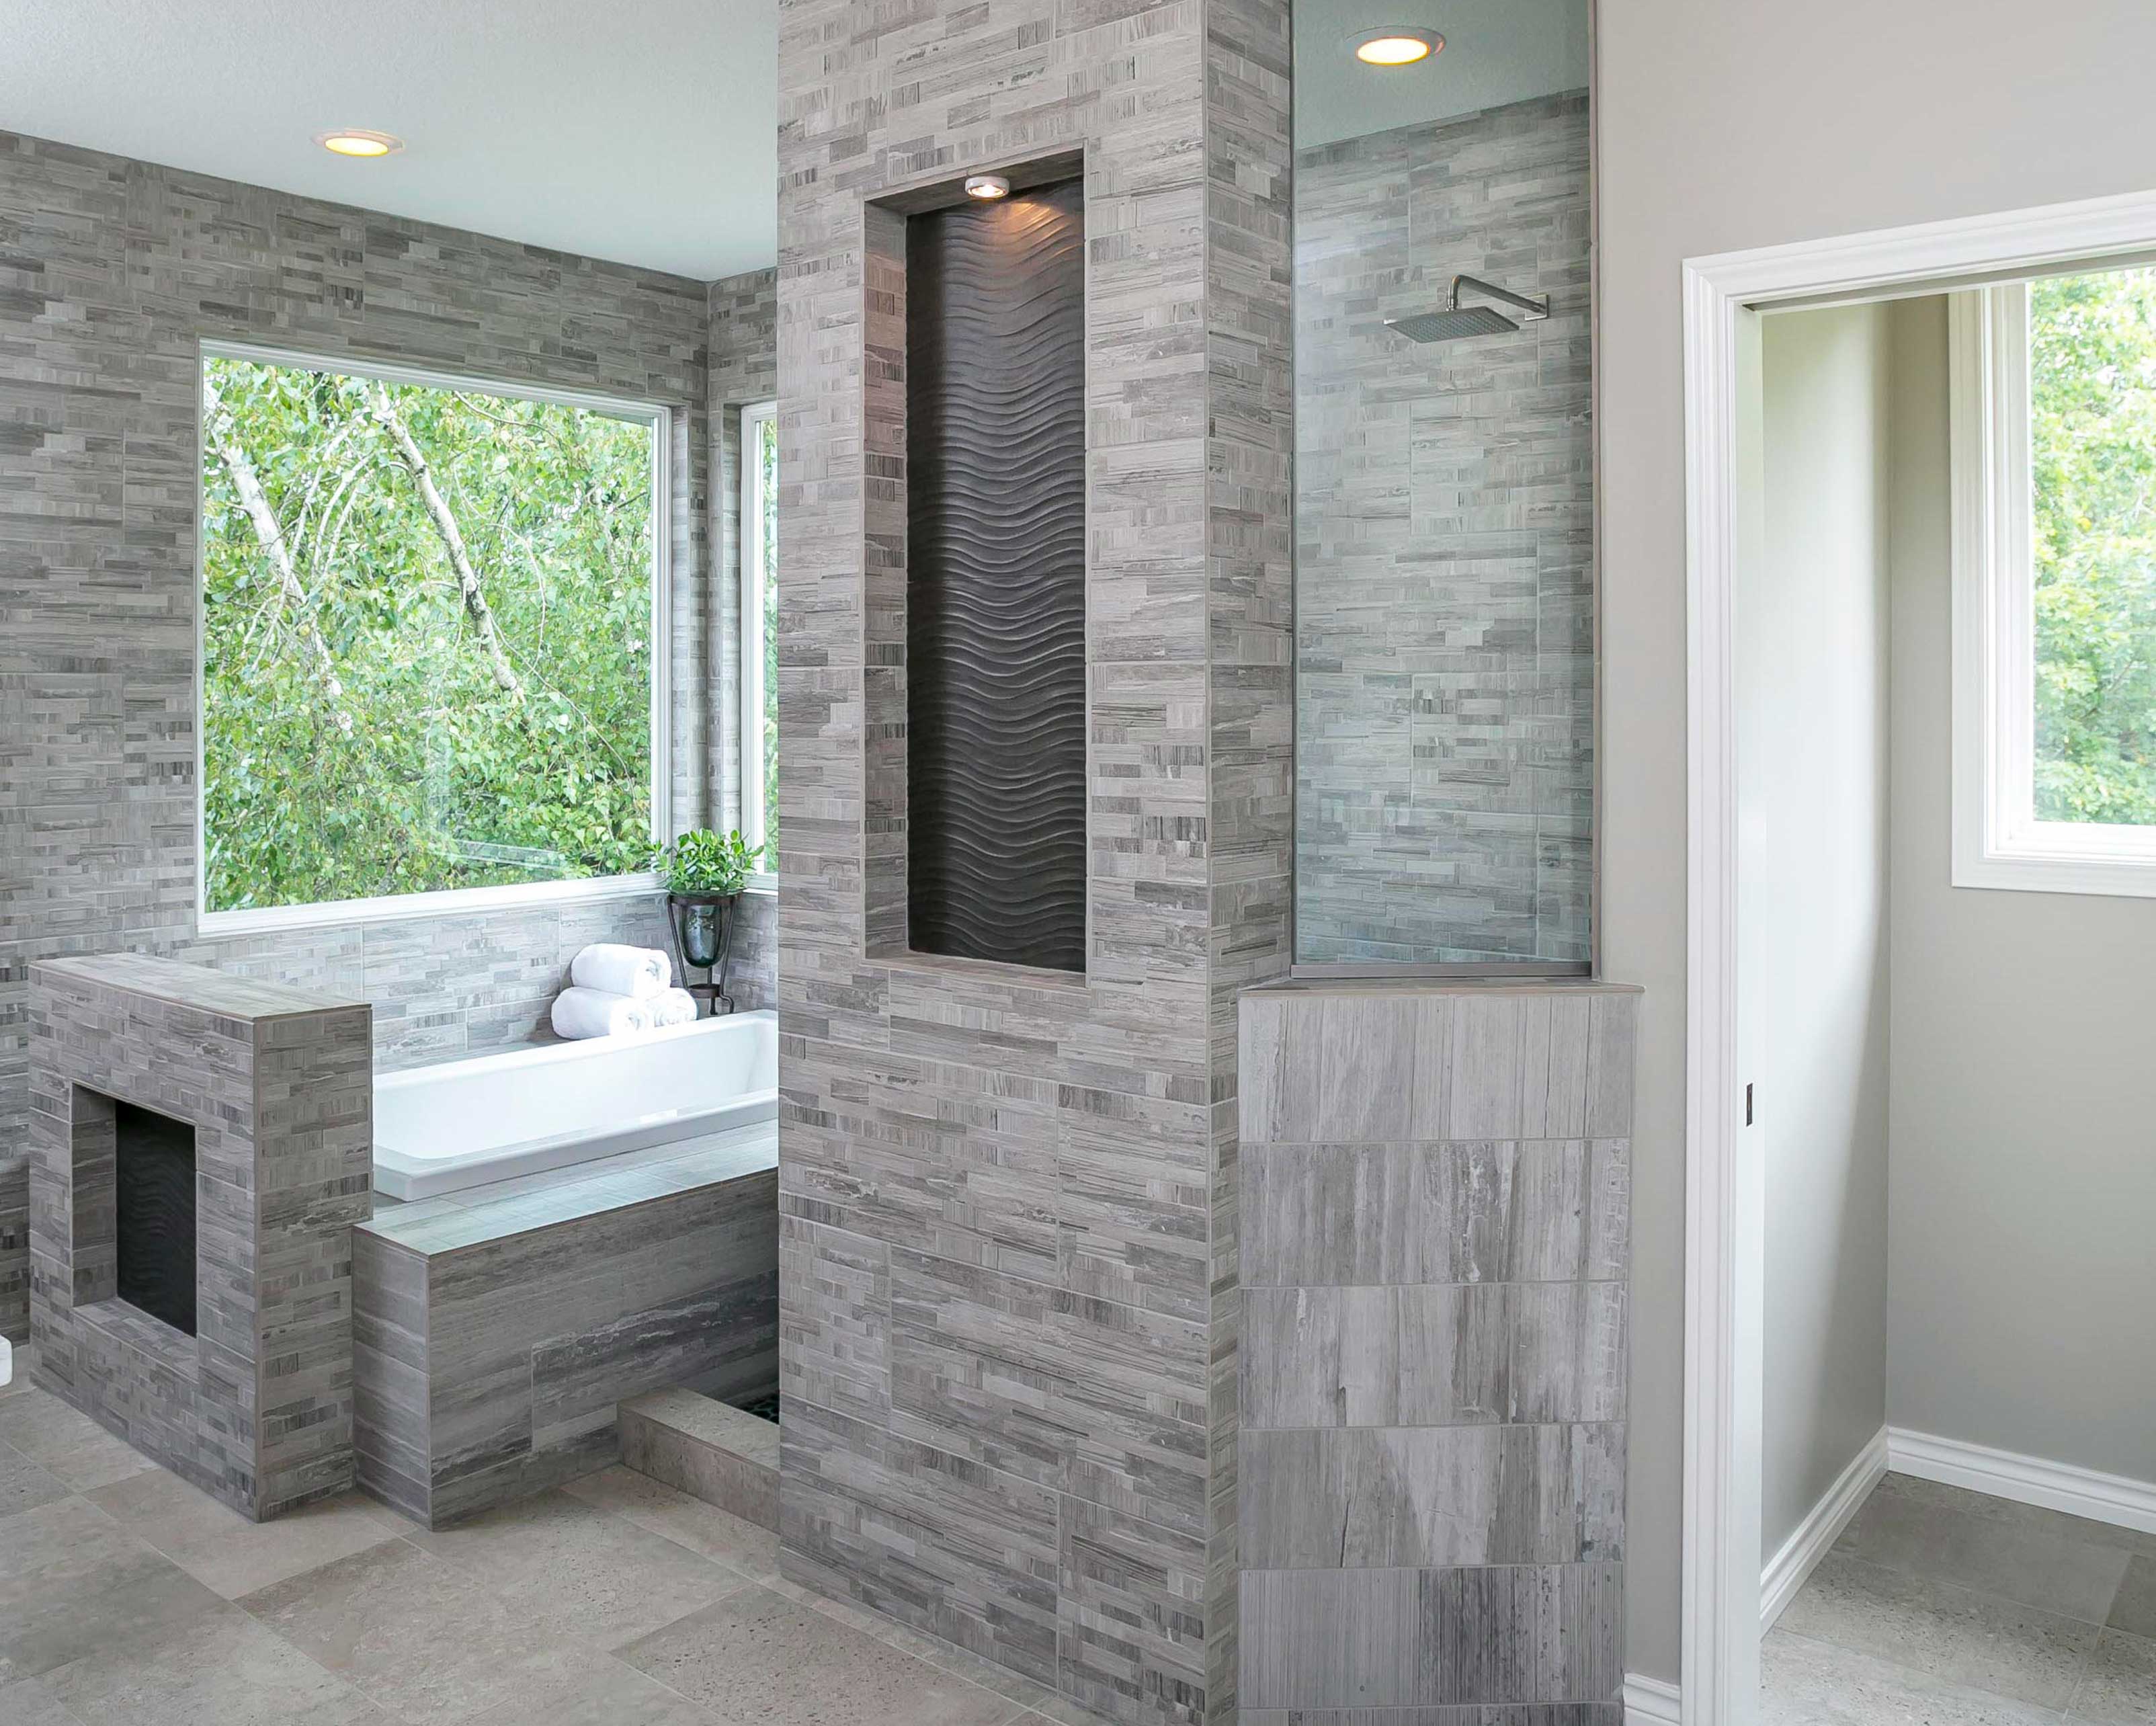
pixel 705 873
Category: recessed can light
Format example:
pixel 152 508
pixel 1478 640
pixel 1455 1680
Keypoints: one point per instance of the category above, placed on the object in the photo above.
pixel 1395 45
pixel 987 187
pixel 351 142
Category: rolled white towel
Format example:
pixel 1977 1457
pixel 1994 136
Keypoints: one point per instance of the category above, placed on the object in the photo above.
pixel 598 1012
pixel 676 1006
pixel 638 971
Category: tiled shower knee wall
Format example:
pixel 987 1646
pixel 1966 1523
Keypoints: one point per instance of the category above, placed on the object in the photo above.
pixel 1435 1219
pixel 1008 1306
pixel 111 272
pixel 1446 614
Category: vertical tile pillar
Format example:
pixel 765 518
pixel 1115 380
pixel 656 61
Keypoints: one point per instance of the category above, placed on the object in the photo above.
pixel 1009 1307
pixel 1435 1257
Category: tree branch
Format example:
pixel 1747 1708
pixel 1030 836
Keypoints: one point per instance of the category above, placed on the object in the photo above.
pixel 452 540
pixel 269 534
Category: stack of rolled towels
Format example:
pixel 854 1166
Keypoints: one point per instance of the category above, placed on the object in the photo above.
pixel 614 989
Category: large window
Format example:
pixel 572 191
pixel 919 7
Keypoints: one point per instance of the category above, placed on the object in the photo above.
pixel 2055 598
pixel 759 600
pixel 431 641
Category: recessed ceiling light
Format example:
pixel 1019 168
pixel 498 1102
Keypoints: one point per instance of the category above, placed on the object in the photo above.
pixel 1395 45
pixel 987 186
pixel 351 142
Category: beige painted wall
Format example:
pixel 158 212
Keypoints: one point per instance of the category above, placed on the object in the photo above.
pixel 1725 125
pixel 2022 1312
pixel 1812 738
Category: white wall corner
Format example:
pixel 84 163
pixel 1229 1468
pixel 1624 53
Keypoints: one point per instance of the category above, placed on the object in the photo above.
pixel 1650 1702
pixel 1814 1538
pixel 2114 1499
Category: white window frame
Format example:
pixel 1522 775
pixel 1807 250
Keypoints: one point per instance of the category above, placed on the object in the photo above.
pixel 461 902
pixel 1998 841
pixel 754 697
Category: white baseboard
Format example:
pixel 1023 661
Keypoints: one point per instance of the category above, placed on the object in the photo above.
pixel 2027 1480
pixel 1650 1702
pixel 1820 1528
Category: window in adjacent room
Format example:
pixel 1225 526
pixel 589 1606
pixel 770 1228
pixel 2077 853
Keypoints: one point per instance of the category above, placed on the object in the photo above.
pixel 759 603
pixel 433 641
pixel 2054 584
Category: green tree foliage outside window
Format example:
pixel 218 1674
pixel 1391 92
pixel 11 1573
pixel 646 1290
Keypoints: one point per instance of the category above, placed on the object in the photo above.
pixel 427 638
pixel 2093 457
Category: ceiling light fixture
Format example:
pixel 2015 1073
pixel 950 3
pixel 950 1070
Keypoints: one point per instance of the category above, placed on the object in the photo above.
pixel 1395 45
pixel 987 187
pixel 351 142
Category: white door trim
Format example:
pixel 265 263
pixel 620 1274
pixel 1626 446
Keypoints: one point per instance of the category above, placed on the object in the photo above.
pixel 1722 1557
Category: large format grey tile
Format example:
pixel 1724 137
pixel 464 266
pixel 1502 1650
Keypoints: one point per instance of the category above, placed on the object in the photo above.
pixel 24 1484
pixel 566 1561
pixel 417 1636
pixel 68 1445
pixel 2134 1607
pixel 1811 1683
pixel 30 1702
pixel 73 1582
pixel 607 1693
pixel 758 1659
pixel 1987 1508
pixel 1969 1639
pixel 2119 1686
pixel 702 1528
pixel 226 1670
pixel 222 1547
pixel 2038 1563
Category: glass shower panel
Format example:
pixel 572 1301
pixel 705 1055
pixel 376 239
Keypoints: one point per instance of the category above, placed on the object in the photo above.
pixel 1444 566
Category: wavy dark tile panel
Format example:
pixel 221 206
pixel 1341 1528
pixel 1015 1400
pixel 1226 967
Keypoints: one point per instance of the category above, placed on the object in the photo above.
pixel 996 581
pixel 154 1213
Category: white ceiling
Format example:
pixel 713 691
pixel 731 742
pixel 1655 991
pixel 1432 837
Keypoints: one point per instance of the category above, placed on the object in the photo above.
pixel 1496 51
pixel 639 130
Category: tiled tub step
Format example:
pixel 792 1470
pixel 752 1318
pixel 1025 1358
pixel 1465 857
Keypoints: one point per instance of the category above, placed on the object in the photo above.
pixel 721 1455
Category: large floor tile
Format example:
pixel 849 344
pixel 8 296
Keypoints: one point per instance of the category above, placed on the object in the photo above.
pixel 565 1560
pixel 2134 1608
pixel 2008 1510
pixel 222 1547
pixel 226 1669
pixel 2119 1688
pixel 419 1637
pixel 24 1484
pixel 702 1528
pixel 1810 1683
pixel 758 1659
pixel 66 1443
pixel 607 1694
pixel 1972 1640
pixel 73 1581
pixel 2039 1561
pixel 30 1702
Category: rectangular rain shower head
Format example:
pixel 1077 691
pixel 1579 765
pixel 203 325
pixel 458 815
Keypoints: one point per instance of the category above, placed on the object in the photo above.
pixel 1456 321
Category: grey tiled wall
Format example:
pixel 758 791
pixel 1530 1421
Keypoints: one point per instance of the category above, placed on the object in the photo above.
pixel 111 272
pixel 1008 1300
pixel 1444 534
pixel 1435 1250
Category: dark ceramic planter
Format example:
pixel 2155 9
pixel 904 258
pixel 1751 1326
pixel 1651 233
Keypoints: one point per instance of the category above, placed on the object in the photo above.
pixel 703 932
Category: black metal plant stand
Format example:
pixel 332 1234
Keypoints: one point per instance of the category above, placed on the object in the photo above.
pixel 703 925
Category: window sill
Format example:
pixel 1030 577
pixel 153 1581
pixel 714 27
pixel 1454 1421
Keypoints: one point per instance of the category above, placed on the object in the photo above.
pixel 2112 876
pixel 455 902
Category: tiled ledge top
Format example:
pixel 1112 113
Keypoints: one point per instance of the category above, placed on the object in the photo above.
pixel 1536 986
pixel 482 1215
pixel 197 986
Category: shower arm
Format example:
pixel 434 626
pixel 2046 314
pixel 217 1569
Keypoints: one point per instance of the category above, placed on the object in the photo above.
pixel 1534 309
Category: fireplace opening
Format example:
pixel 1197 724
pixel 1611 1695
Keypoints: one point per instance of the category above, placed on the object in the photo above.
pixel 154 1213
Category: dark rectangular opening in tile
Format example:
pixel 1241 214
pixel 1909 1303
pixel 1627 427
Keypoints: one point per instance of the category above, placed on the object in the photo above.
pixel 154 1213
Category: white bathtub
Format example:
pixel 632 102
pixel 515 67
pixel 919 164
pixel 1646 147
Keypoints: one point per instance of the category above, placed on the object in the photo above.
pixel 463 1123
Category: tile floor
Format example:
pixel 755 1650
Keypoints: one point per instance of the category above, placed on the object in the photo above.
pixel 127 1598
pixel 1939 1607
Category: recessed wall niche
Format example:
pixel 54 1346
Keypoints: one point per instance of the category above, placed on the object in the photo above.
pixel 995 590
pixel 153 1204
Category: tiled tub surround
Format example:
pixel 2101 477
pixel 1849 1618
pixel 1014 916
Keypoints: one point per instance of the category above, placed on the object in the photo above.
pixel 255 1408
pixel 497 1329
pixel 111 273
pixel 1435 1214
pixel 1445 541
pixel 1009 1305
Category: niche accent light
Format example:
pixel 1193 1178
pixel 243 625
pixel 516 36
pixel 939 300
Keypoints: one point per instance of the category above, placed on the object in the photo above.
pixel 1395 45
pixel 350 141
pixel 988 188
